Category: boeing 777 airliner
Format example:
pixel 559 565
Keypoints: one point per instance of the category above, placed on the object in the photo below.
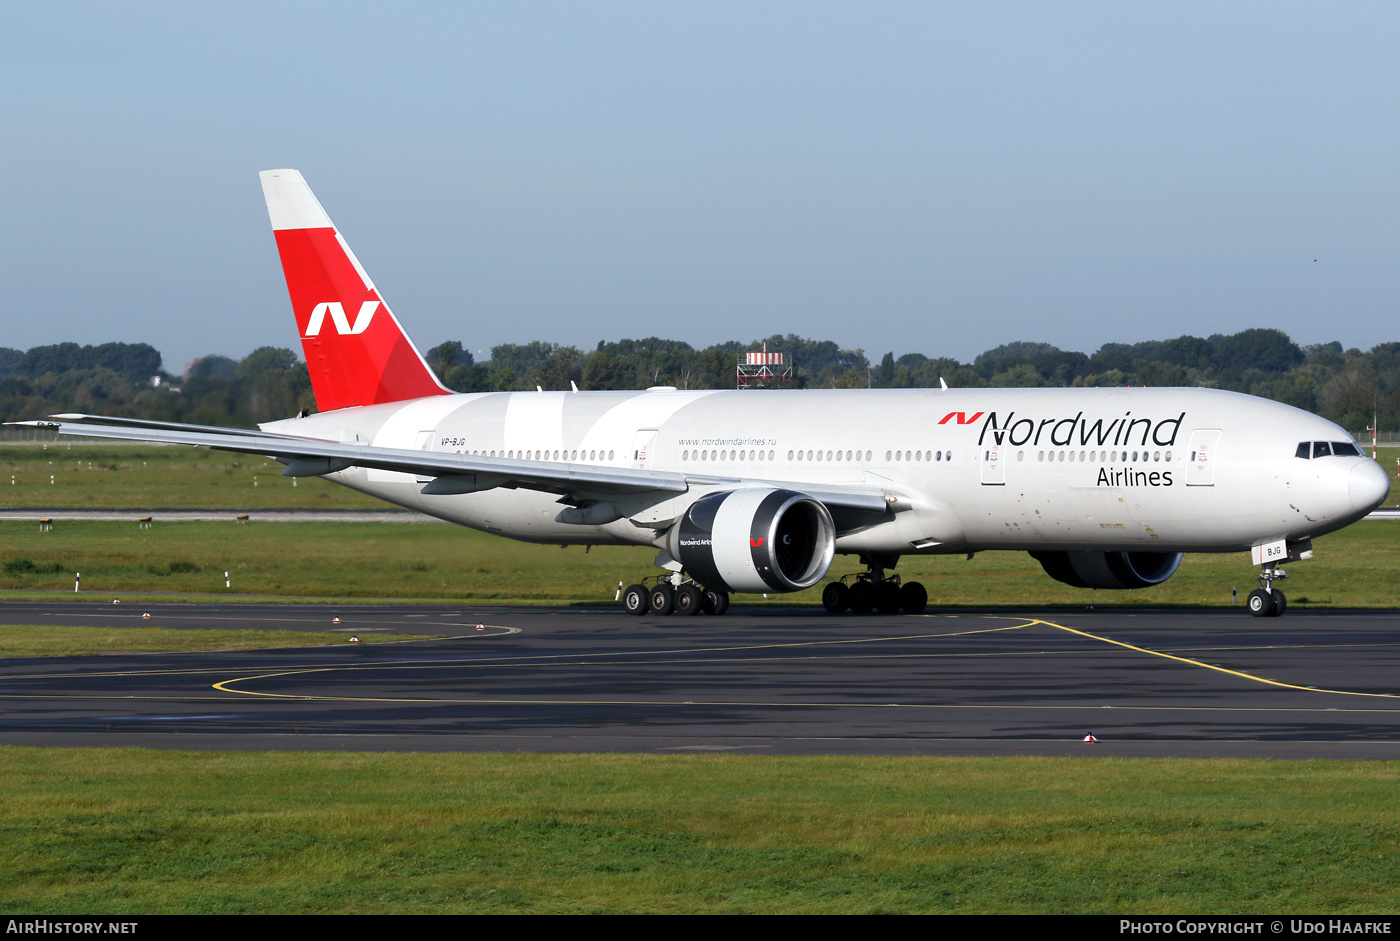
pixel 756 492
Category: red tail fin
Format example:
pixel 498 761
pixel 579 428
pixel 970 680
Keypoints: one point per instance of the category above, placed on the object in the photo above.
pixel 355 349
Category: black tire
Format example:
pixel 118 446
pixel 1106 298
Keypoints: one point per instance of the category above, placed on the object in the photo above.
pixel 634 600
pixel 1280 604
pixel 913 598
pixel 887 597
pixel 717 602
pixel 836 598
pixel 862 597
pixel 662 600
pixel 1261 605
pixel 689 600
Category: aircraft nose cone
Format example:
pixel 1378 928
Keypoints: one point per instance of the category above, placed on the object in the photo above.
pixel 1368 486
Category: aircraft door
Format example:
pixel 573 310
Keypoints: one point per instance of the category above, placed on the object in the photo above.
pixel 1201 458
pixel 423 441
pixel 642 446
pixel 993 466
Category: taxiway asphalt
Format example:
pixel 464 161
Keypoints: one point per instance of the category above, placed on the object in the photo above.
pixel 762 680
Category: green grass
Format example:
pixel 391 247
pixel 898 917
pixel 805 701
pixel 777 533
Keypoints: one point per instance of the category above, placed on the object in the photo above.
pixel 309 560
pixel 1358 567
pixel 100 476
pixel 61 640
pixel 132 831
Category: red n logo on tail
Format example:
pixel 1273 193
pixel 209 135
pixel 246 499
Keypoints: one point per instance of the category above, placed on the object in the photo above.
pixel 361 362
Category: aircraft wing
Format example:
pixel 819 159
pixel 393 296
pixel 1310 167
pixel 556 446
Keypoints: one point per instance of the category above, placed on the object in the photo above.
pixel 71 417
pixel 450 472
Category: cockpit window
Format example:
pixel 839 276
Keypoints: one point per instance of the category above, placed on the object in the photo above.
pixel 1316 449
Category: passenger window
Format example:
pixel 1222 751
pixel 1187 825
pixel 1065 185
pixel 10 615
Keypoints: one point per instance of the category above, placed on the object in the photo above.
pixel 1321 449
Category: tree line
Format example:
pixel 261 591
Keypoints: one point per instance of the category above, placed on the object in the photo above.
pixel 117 379
pixel 1344 385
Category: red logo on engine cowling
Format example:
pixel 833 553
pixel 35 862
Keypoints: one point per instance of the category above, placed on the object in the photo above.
pixel 756 542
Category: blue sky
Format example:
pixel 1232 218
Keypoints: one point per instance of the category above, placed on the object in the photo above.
pixel 927 177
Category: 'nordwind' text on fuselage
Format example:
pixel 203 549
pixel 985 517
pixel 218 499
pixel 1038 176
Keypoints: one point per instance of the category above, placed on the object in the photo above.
pixel 1123 431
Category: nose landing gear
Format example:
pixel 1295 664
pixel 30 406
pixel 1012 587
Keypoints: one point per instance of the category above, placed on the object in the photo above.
pixel 1266 601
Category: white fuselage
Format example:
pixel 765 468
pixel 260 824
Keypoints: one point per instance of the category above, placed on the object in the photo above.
pixel 1167 470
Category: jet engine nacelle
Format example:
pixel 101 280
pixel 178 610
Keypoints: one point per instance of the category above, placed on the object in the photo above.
pixel 1109 569
pixel 756 540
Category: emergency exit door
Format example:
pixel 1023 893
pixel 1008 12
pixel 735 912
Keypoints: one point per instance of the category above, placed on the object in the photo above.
pixel 993 465
pixel 642 445
pixel 1201 457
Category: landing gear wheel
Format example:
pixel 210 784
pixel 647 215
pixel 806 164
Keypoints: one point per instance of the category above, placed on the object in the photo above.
pixel 663 599
pixel 634 600
pixel 688 600
pixel 1274 603
pixel 715 602
pixel 913 598
pixel 887 597
pixel 862 597
pixel 836 598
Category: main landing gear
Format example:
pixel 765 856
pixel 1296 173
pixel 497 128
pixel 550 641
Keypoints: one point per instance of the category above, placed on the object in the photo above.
pixel 666 594
pixel 1266 601
pixel 872 589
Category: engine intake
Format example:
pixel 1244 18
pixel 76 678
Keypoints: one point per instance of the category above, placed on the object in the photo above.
pixel 757 540
pixel 1109 569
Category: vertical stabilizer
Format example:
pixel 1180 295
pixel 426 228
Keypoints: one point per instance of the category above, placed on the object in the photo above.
pixel 355 349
